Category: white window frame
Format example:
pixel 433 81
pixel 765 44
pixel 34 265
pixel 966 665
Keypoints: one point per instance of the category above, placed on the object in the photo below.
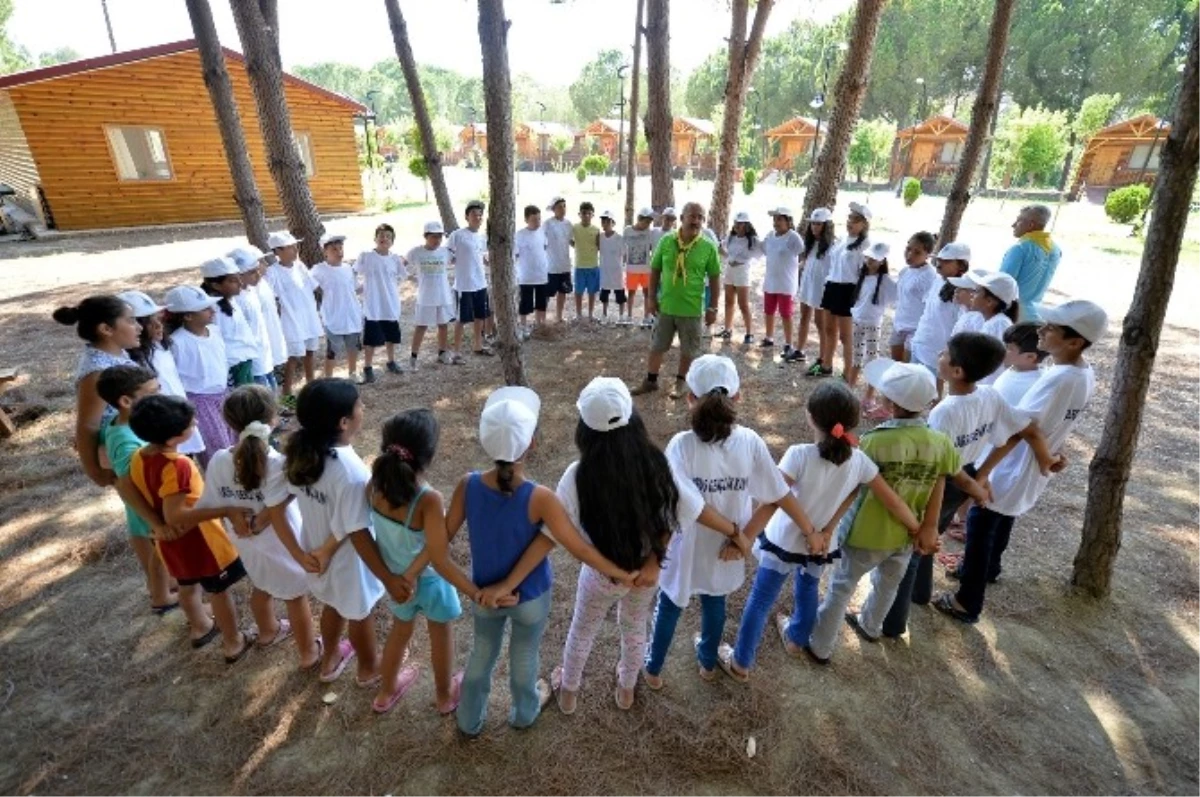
pixel 123 161
pixel 1141 153
pixel 303 141
pixel 956 148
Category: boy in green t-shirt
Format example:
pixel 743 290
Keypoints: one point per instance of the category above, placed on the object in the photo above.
pixel 121 386
pixel 915 461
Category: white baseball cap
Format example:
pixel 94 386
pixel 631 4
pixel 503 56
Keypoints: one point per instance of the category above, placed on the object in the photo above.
pixel 669 211
pixel 246 257
pixel 861 209
pixel 554 202
pixel 141 304
pixel 278 240
pixel 607 214
pixel 330 238
pixel 821 215
pixel 646 213
pixel 907 385
pixel 605 404
pixel 188 299
pixel 780 211
pixel 878 250
pixel 970 280
pixel 742 216
pixel 711 372
pixel 1086 318
pixel 218 267
pixel 434 228
pixel 1002 286
pixel 508 421
pixel 955 250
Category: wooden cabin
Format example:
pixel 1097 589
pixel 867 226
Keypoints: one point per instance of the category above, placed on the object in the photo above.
pixel 928 150
pixel 131 139
pixel 473 137
pixel 1121 154
pixel 693 143
pixel 790 140
pixel 605 133
pixel 534 140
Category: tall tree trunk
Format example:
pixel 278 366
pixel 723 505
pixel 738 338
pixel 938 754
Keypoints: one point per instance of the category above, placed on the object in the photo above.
pixel 985 169
pixel 982 113
pixel 658 102
pixel 260 46
pixel 220 91
pixel 849 93
pixel 743 59
pixel 501 220
pixel 429 147
pixel 1108 473
pixel 634 100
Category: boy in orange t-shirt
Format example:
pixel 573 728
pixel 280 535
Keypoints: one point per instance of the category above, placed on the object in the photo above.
pixel 201 555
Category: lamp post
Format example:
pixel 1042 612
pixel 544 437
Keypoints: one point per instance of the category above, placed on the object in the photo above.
pixel 367 119
pixel 542 135
pixel 621 126
pixel 818 102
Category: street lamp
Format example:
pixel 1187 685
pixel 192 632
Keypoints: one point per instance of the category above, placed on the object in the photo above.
pixel 542 134
pixel 621 125
pixel 818 102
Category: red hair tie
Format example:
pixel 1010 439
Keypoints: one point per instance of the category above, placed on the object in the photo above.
pixel 839 432
pixel 400 451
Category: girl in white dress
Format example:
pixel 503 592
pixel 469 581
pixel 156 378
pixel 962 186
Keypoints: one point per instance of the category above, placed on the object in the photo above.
pixel 814 268
pixel 742 247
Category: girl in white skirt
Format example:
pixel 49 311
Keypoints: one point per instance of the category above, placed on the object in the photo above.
pixel 814 268
pixel 741 248
pixel 876 291
pixel 199 353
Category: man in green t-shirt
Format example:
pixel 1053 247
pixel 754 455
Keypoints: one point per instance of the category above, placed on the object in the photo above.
pixel 681 264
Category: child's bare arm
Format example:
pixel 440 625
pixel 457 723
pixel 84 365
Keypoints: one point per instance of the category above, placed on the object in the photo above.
pixel 547 508
pixel 1046 459
pixel 534 553
pixel 287 536
pixel 977 491
pixel 134 499
pixel 894 504
pixel 437 545
pixel 456 514
pixel 177 513
pixel 368 550
pixel 927 535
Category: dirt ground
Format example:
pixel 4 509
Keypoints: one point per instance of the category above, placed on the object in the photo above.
pixel 1050 693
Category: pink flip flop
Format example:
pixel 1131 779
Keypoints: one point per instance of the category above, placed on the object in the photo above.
pixel 455 695
pixel 346 652
pixel 404 682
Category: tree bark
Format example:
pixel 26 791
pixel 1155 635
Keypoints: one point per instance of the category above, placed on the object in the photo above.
pixel 743 59
pixel 982 183
pixel 260 46
pixel 1109 471
pixel 982 114
pixel 220 91
pixel 501 221
pixel 429 147
pixel 634 101
pixel 658 103
pixel 849 93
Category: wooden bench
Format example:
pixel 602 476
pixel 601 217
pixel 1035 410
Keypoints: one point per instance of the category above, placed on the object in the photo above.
pixel 7 427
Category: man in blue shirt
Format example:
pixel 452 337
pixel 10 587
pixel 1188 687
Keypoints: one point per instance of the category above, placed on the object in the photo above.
pixel 1033 260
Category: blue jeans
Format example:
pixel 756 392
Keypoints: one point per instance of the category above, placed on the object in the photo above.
pixel 988 533
pixel 524 644
pixel 768 584
pixel 266 380
pixel 666 617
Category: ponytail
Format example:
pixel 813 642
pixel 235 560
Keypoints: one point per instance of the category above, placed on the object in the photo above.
pixel 320 409
pixel 209 287
pixel 883 271
pixel 835 411
pixel 245 407
pixel 409 442
pixel 305 453
pixel 713 416
pixel 89 315
pixel 504 476
pixel 1013 310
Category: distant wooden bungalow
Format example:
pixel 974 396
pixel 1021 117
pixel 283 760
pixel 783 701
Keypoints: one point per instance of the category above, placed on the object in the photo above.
pixel 534 139
pixel 928 150
pixel 605 133
pixel 790 140
pixel 1121 154
pixel 473 137
pixel 693 143
pixel 131 139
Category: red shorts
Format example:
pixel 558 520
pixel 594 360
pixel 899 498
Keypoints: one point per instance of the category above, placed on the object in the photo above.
pixel 780 304
pixel 634 281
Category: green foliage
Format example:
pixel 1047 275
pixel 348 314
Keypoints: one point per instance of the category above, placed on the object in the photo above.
pixel 1095 113
pixel 418 168
pixel 62 55
pixel 749 180
pixel 870 147
pixel 581 174
pixel 443 138
pixel 1030 146
pixel 561 143
pixel 912 191
pixel 1128 203
pixel 595 164
pixel 595 90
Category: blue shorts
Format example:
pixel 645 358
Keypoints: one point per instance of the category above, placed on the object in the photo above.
pixel 436 598
pixel 587 280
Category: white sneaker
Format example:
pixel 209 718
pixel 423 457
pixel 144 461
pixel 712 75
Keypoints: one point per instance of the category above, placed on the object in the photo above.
pixel 445 358
pixel 412 364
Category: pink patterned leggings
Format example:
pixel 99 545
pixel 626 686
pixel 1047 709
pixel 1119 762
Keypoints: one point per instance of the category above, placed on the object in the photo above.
pixel 594 596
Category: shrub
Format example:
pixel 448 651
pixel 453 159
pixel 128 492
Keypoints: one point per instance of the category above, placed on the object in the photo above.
pixel 912 190
pixel 1128 203
pixel 418 168
pixel 581 174
pixel 595 164
pixel 749 180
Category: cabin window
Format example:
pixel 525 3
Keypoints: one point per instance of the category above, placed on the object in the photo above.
pixel 139 153
pixel 1141 154
pixel 304 148
pixel 951 151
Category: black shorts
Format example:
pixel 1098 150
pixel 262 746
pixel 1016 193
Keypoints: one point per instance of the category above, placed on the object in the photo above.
pixel 216 584
pixel 620 292
pixel 377 333
pixel 474 306
pixel 559 283
pixel 533 297
pixel 838 298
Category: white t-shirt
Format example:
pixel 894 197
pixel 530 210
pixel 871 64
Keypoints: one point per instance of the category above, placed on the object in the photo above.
pixel 170 385
pixel 973 321
pixel 612 251
pixel 686 511
pixel 336 506
pixel 270 313
pixel 937 323
pixel 820 487
pixel 294 287
pixel 381 275
pixel 270 567
pixel 558 242
pixel 432 267
pixel 201 362
pixel 1056 402
pixel 976 421
pixel 656 235
pixel 241 342
pixel 340 311
pixel 846 263
pixel 1014 384
pixel 532 262
pixel 729 475
pixel 969 321
pixel 813 272
pixel 865 310
pixel 783 262
pixel 738 250
pixel 639 247
pixel 264 360
pixel 913 285
pixel 468 249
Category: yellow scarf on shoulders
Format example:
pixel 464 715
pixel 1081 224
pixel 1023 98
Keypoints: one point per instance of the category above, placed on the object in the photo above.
pixel 681 257
pixel 1041 238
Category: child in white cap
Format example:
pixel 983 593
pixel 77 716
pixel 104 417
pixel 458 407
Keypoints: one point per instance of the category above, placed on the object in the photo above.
pixel 558 230
pixel 263 365
pixel 254 279
pixel 875 293
pixel 295 289
pixel 199 353
pixel 741 248
pixel 639 239
pixel 1056 402
pixel 381 270
pixel 940 312
pixel 814 267
pixel 530 254
pixel 341 312
pixel 430 265
pixel 994 307
pixel 617 457
pixel 612 268
pixel 915 461
pixel 781 280
pixel 222 279
pixel 508 517
pixel 837 298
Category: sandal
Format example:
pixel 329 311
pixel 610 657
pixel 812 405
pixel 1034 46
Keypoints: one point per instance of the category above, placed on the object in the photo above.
pixel 852 621
pixel 726 662
pixel 165 608
pixel 455 695
pixel 568 700
pixel 345 652
pixel 654 682
pixel 315 663
pixel 782 621
pixel 283 633
pixel 957 531
pixel 624 697
pixel 212 633
pixel 367 683
pixel 950 560
pixel 944 603
pixel 404 681
pixel 705 674
pixel 248 640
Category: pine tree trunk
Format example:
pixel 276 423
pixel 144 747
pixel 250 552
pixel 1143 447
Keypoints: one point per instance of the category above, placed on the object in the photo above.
pixel 501 220
pixel 220 91
pixel 658 103
pixel 982 113
pixel 1109 471
pixel 260 46
pixel 849 93
pixel 634 100
pixel 985 169
pixel 429 147
pixel 743 59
